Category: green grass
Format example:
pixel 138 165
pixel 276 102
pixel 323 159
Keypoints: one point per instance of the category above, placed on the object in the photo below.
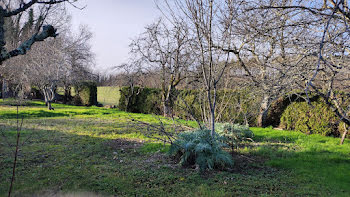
pixel 90 149
pixel 312 158
pixel 108 95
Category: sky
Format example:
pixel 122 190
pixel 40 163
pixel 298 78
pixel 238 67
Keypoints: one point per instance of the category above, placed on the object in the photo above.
pixel 113 23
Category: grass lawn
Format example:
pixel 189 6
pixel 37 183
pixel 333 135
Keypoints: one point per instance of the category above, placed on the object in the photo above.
pixel 97 150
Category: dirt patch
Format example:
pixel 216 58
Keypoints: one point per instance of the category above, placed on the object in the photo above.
pixel 157 160
pixel 125 144
pixel 244 164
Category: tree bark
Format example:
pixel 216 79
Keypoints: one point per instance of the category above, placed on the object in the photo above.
pixel 344 135
pixel 168 101
pixel 3 89
pixel 262 117
pixel 167 108
pixel 49 96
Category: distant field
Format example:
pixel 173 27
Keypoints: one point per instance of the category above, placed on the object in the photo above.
pixel 108 95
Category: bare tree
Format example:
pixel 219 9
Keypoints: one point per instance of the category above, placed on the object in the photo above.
pixel 45 68
pixel 211 32
pixel 268 49
pixel 329 49
pixel 165 49
pixel 79 59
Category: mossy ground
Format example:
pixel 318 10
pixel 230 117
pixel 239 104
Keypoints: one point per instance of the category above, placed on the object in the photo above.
pixel 97 150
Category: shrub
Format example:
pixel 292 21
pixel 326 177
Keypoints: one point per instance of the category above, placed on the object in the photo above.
pixel 315 119
pixel 202 149
pixel 86 93
pixel 232 105
pixel 140 100
pixel 234 133
pixel 279 106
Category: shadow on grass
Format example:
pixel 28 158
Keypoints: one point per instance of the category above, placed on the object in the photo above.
pixel 13 102
pixel 51 160
pixel 35 114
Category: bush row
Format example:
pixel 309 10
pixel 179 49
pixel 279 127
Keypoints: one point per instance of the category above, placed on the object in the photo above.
pixel 233 106
pixel 240 106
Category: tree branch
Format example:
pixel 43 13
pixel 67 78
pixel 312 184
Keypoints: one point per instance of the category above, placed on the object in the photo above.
pixel 48 31
pixel 25 6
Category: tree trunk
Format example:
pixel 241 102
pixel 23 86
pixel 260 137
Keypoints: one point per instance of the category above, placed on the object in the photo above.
pixel 262 117
pixel 49 96
pixel 129 98
pixel 344 135
pixel 49 106
pixel 67 94
pixel 46 97
pixel 212 112
pixel 168 99
pixel 167 108
pixel 3 89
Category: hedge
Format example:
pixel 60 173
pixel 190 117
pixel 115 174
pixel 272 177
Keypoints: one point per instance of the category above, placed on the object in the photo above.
pixel 140 100
pixel 85 93
pixel 278 107
pixel 187 102
pixel 241 106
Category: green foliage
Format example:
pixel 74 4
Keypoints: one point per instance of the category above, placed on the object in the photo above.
pixel 278 106
pixel 193 99
pixel 86 93
pixel 140 100
pixel 234 133
pixel 199 147
pixel 315 119
pixel 239 106
pixel 232 105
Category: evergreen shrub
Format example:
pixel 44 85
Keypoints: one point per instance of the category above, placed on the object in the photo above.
pixel 202 149
pixel 316 118
pixel 85 93
pixel 140 100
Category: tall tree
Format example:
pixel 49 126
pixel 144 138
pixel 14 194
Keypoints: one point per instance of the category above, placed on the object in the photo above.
pixel 208 29
pixel 166 49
